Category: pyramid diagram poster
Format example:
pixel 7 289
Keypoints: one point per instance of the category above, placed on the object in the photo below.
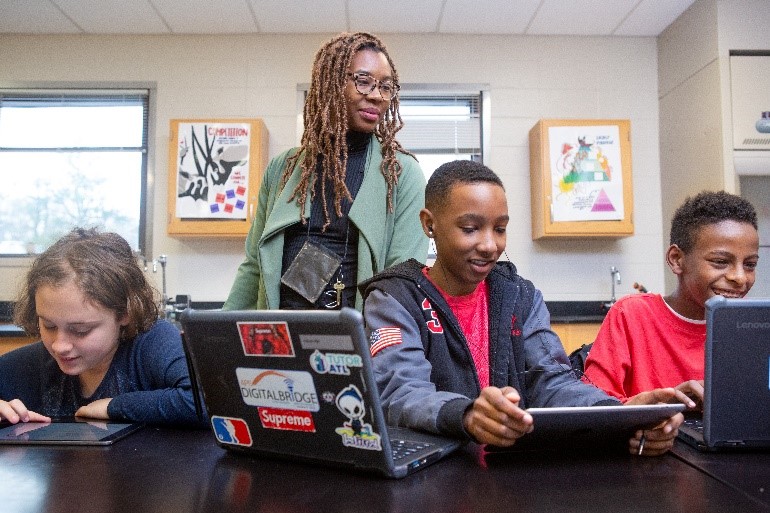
pixel 586 173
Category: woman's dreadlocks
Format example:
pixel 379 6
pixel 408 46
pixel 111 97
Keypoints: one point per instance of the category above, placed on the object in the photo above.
pixel 326 125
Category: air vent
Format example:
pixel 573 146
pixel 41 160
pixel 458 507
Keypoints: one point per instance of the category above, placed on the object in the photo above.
pixel 750 98
pixel 755 142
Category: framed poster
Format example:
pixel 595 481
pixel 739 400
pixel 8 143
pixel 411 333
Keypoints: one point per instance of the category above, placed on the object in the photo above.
pixel 215 166
pixel 581 178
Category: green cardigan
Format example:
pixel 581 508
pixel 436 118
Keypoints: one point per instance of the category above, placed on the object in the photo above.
pixel 385 238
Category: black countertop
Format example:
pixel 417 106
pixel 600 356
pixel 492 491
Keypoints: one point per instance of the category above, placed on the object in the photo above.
pixel 577 311
pixel 11 330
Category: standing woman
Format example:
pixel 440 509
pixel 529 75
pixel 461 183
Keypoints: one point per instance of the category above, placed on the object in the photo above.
pixel 346 203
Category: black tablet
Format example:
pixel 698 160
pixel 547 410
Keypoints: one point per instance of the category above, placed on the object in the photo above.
pixel 66 432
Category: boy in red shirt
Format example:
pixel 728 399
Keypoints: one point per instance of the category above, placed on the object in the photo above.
pixel 651 341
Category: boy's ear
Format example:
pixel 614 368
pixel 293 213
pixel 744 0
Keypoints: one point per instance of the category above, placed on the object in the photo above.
pixel 674 259
pixel 426 219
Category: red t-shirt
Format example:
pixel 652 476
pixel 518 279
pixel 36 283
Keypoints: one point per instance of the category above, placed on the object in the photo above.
pixel 642 345
pixel 471 312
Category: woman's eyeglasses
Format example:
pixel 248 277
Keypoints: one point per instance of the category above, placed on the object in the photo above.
pixel 365 84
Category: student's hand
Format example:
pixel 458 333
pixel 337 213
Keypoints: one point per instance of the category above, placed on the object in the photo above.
pixel 14 411
pixel 658 440
pixel 662 395
pixel 95 410
pixel 495 417
pixel 694 390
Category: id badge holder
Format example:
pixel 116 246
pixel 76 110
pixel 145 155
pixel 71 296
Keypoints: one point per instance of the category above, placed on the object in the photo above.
pixel 311 270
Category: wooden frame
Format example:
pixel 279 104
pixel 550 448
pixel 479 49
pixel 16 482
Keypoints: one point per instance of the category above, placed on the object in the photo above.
pixel 581 179
pixel 195 165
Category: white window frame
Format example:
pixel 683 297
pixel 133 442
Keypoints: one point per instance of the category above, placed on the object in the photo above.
pixel 145 230
pixel 451 91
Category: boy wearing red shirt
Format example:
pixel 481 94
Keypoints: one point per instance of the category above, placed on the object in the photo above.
pixel 651 341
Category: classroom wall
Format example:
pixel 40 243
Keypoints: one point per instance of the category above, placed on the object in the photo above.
pixel 690 114
pixel 257 75
pixel 695 111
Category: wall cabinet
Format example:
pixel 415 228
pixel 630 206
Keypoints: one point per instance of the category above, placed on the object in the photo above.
pixel 215 169
pixel 581 182
pixel 11 343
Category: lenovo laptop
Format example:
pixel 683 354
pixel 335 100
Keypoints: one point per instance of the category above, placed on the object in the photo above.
pixel 298 384
pixel 736 397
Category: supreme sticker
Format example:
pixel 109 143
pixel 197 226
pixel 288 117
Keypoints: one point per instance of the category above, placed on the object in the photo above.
pixel 286 420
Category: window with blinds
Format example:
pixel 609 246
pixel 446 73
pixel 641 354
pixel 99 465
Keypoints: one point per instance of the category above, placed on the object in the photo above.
pixel 71 158
pixel 441 128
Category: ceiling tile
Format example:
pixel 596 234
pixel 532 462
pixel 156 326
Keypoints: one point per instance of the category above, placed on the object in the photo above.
pixel 33 17
pixel 586 17
pixel 113 16
pixel 543 17
pixel 487 16
pixel 300 16
pixel 652 17
pixel 394 15
pixel 207 16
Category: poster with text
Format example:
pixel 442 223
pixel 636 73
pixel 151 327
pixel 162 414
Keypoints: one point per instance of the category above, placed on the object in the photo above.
pixel 212 170
pixel 586 173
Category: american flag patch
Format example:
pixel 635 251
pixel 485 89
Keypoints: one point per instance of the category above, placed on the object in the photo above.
pixel 384 337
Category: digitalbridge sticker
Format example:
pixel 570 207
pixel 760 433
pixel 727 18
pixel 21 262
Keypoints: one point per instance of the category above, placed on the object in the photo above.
pixel 289 390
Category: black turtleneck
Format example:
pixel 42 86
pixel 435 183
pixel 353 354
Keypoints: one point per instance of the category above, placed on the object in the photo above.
pixel 340 236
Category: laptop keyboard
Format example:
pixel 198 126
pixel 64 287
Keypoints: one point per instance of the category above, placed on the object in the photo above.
pixel 696 424
pixel 406 448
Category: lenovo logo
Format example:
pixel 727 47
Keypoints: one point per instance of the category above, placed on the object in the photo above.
pixel 752 325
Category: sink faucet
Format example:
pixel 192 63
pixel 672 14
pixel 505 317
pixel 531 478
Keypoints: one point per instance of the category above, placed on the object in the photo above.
pixel 169 308
pixel 166 306
pixel 615 274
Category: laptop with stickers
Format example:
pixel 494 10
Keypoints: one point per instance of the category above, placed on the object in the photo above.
pixel 737 377
pixel 298 384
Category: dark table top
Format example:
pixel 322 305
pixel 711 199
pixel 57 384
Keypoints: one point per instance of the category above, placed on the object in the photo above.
pixel 163 470
pixel 746 471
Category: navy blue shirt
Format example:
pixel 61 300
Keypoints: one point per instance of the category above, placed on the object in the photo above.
pixel 148 381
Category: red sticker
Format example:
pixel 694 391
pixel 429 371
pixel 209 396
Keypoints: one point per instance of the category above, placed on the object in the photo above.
pixel 286 420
